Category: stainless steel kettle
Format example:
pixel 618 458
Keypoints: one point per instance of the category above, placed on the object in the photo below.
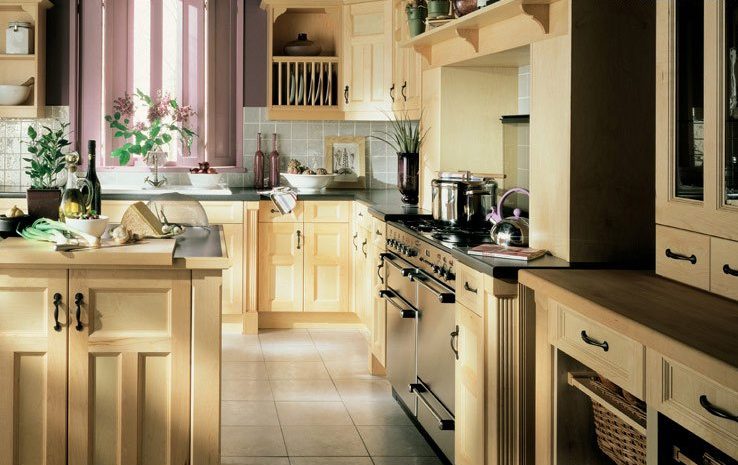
pixel 510 231
pixel 462 199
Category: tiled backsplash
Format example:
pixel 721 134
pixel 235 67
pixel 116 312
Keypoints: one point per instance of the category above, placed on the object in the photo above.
pixel 302 140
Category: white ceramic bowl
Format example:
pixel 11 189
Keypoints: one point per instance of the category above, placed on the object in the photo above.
pixel 13 95
pixel 308 182
pixel 204 180
pixel 94 227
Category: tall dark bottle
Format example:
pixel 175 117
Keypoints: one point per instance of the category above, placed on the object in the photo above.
pixel 96 194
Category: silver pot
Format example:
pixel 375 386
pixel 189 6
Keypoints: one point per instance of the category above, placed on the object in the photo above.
pixel 462 200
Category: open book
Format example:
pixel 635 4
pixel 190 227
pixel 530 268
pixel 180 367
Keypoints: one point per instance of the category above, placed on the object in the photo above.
pixel 500 251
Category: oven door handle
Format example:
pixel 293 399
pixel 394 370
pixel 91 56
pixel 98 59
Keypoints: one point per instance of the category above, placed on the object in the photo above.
pixel 405 272
pixel 443 297
pixel 443 424
pixel 387 294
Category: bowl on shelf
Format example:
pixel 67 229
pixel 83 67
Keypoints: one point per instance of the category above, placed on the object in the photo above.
pixel 308 182
pixel 13 95
pixel 93 226
pixel 204 180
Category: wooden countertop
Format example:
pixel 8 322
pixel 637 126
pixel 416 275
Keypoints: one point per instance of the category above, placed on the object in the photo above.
pixel 652 310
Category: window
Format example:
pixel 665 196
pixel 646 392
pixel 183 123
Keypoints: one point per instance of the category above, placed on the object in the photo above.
pixel 191 49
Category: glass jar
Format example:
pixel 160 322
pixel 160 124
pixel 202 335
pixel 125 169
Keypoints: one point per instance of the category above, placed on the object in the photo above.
pixel 19 38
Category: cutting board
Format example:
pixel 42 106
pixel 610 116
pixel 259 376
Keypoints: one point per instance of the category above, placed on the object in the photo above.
pixel 150 252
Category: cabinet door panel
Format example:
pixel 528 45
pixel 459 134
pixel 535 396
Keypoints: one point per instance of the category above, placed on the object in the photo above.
pixel 33 367
pixel 280 267
pixel 233 277
pixel 326 267
pixel 469 395
pixel 129 367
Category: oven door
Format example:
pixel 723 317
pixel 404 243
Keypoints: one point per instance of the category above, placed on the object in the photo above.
pixel 401 295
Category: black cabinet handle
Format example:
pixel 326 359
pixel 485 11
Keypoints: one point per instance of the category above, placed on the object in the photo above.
pixel 78 299
pixel 728 270
pixel 402 91
pixel 345 94
pixel 677 256
pixel 455 338
pixel 299 236
pixel 603 345
pixel 392 92
pixel 378 233
pixel 363 244
pixel 274 211
pixel 57 302
pixel 469 288
pixel 379 271
pixel 353 240
pixel 717 411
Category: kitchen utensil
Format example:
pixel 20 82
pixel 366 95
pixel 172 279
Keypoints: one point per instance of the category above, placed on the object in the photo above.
pixel 462 199
pixel 13 95
pixel 513 230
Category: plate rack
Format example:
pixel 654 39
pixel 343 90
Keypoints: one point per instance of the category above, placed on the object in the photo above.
pixel 304 82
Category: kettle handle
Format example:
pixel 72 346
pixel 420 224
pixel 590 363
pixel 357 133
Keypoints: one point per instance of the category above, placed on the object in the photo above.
pixel 496 214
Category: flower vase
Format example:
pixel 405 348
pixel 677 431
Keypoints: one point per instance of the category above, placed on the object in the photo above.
pixel 416 19
pixel 408 166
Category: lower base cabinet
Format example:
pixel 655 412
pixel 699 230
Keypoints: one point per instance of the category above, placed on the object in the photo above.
pixel 118 363
pixel 470 392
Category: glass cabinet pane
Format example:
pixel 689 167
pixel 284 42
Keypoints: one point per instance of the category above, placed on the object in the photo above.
pixel 690 39
pixel 730 159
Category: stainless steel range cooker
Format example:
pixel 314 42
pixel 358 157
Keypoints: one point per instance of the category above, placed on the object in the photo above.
pixel 421 331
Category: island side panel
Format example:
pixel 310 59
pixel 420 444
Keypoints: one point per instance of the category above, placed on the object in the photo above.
pixel 206 343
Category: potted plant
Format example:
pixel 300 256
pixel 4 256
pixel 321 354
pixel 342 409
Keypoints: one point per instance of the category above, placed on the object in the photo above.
pixel 417 11
pixel 165 118
pixel 44 165
pixel 405 137
pixel 439 9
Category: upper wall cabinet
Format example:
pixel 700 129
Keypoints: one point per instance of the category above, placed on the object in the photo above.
pixel 302 80
pixel 407 67
pixel 697 143
pixel 16 67
pixel 367 30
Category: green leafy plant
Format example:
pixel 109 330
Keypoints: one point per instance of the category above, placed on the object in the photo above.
pixel 165 118
pixel 46 160
pixel 405 135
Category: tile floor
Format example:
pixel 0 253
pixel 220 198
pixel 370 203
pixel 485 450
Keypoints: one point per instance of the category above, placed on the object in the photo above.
pixel 305 397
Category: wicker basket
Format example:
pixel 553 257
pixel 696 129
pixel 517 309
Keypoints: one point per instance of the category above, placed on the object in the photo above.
pixel 618 440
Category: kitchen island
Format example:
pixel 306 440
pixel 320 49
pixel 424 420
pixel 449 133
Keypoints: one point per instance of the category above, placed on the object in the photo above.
pixel 112 355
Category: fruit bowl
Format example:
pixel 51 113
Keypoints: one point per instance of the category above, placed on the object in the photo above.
pixel 308 182
pixel 13 95
pixel 93 226
pixel 204 180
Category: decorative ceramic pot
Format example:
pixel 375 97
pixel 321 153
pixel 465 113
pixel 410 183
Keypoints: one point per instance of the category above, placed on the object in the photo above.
pixel 438 8
pixel 302 47
pixel 416 19
pixel 43 203
pixel 464 7
pixel 408 167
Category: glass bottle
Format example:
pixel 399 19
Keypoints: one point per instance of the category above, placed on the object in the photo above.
pixel 274 163
pixel 258 165
pixel 96 193
pixel 73 202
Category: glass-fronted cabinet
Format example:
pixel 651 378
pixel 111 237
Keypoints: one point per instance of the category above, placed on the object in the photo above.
pixel 697 117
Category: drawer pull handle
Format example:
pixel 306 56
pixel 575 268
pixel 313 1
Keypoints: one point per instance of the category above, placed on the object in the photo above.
pixel 379 271
pixel 717 411
pixel 363 244
pixel 78 298
pixel 454 339
pixel 57 302
pixel 677 256
pixel 274 211
pixel 729 270
pixel 378 233
pixel 299 238
pixel 353 241
pixel 469 288
pixel 603 345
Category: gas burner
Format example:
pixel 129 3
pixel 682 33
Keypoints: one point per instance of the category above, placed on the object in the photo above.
pixel 462 238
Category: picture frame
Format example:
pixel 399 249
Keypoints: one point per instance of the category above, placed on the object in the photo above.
pixel 346 157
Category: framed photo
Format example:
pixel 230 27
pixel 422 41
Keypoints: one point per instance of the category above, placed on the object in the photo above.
pixel 346 157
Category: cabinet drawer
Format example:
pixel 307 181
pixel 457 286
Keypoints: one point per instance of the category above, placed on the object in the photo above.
pixel 224 212
pixel 724 267
pixel 379 234
pixel 268 213
pixel 361 215
pixel 616 357
pixel 326 211
pixel 687 397
pixel 469 288
pixel 683 256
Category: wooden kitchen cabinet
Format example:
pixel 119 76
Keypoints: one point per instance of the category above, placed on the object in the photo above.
pixel 367 59
pixel 407 69
pixel 129 366
pixel 33 363
pixel 326 265
pixel 696 130
pixel 280 267
pixel 378 352
pixel 470 391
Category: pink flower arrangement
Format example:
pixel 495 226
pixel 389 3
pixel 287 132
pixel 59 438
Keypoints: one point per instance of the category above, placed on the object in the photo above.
pixel 164 116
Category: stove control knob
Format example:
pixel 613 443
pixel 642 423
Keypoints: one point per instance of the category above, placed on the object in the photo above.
pixel 412 252
pixel 436 269
pixel 404 249
pixel 450 276
pixel 442 272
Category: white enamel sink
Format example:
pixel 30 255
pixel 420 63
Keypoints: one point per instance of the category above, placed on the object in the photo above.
pixel 188 190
